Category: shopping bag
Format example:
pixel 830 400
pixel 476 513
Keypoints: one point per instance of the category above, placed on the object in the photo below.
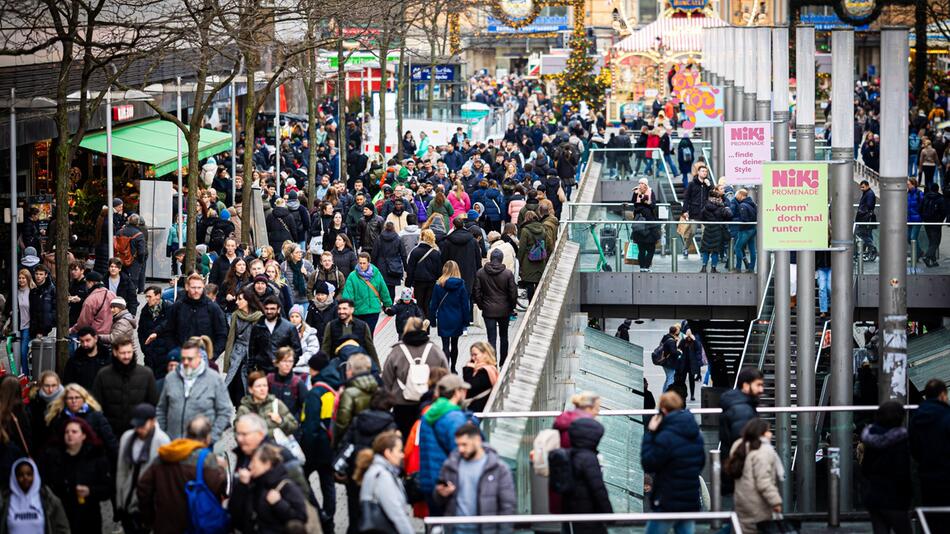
pixel 631 254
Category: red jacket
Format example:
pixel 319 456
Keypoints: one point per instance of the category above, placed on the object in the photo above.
pixel 96 312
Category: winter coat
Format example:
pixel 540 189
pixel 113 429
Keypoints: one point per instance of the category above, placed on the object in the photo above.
pixel 460 204
pixel 462 247
pixel 119 389
pixel 62 472
pixel 368 300
pixel 317 416
pixel 496 489
pixel 219 269
pixel 161 489
pixel 675 455
pixel 54 514
pixel 308 270
pixel 96 312
pixel 189 317
pixel 382 484
pixel 423 265
pixel 127 289
pixel 97 420
pixel 318 319
pixel 361 332
pixel 390 257
pixel 692 355
pixel 156 352
pixel 354 399
pixel 208 396
pixel 886 468
pixel 445 208
pixel 123 327
pixel 694 200
pixel 301 218
pixel 936 204
pixel 685 154
pixel 715 236
pixel 515 204
pixel 531 233
pixel 367 233
pixel 737 409
pixel 81 369
pixel 915 198
pixel 929 442
pixel 280 227
pixel 509 259
pixel 288 423
pixel 495 291
pixel 493 201
pixel 363 430
pixel 450 307
pixel 333 276
pixel 250 511
pixel 309 343
pixel 344 260
pixel 396 366
pixel 437 439
pixel 43 308
pixel 264 343
pixel 563 422
pixel 403 311
pixel 124 483
pixel 758 491
pixel 589 493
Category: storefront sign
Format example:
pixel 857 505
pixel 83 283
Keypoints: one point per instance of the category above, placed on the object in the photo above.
pixel 554 23
pixel 443 73
pixel 703 105
pixel 123 112
pixel 747 146
pixel 794 207
pixel 688 5
pixel 829 22
pixel 355 58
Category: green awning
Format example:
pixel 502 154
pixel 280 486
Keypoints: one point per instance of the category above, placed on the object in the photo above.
pixel 154 142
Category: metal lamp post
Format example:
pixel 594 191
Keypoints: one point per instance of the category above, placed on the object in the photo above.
pixel 738 97
pixel 729 73
pixel 751 64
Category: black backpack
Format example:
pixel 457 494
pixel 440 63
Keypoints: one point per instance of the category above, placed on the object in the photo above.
pixel 561 469
pixel 658 356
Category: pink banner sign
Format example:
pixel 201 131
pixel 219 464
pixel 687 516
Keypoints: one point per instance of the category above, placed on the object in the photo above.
pixel 747 146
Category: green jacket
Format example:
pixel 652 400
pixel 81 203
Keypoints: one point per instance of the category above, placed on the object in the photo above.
pixel 354 399
pixel 445 209
pixel 531 233
pixel 288 423
pixel 56 521
pixel 367 301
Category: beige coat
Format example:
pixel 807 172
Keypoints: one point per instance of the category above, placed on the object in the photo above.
pixel 757 492
pixel 509 254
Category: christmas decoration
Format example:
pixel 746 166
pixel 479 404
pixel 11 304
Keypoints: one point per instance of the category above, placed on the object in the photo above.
pixel 516 15
pixel 577 81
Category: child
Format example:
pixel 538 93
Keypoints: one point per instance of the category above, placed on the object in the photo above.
pixel 403 309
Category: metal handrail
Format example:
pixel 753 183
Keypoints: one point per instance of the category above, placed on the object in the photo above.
pixel 758 316
pixel 695 411
pixel 724 223
pixel 921 510
pixel 432 521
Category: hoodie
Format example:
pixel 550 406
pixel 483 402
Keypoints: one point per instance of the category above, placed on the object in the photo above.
pixel 437 439
pixel 886 468
pixel 495 290
pixel 37 510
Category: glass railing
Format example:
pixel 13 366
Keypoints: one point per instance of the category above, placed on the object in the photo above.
pixel 928 250
pixel 634 163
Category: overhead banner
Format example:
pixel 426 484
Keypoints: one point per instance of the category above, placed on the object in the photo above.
pixel 747 146
pixel 703 105
pixel 795 205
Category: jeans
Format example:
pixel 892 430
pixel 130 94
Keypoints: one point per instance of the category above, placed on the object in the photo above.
pixel 824 288
pixel 745 238
pixel 678 527
pixel 494 328
pixel 24 351
pixel 672 166
pixel 912 164
pixel 649 170
pixel 670 375
pixel 913 234
pixel 715 258
pixel 685 179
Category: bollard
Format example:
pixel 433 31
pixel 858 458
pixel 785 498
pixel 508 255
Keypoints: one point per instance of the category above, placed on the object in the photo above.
pixel 673 253
pixel 715 493
pixel 833 458
pixel 913 255
pixel 731 254
pixel 860 256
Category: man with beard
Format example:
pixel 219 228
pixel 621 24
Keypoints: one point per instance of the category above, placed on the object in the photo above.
pixel 270 334
pixel 346 326
pixel 123 385
pixel 194 315
pixel 459 491
pixel 192 391
pixel 91 356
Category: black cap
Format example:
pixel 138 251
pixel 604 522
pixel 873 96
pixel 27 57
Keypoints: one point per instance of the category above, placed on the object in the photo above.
pixel 318 361
pixel 321 288
pixel 93 276
pixel 141 414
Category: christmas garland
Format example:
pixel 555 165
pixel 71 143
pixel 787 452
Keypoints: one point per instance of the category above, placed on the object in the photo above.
pixel 499 13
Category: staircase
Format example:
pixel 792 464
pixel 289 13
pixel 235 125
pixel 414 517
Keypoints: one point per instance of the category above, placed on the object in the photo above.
pixel 725 339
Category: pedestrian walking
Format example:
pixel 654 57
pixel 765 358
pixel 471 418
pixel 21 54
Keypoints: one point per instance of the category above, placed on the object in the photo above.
pixel 450 309
pixel 123 385
pixel 884 455
pixel 366 288
pixel 496 294
pixel 260 401
pixel 138 449
pixel 193 390
pixel 758 472
pixel 378 474
pixel 29 505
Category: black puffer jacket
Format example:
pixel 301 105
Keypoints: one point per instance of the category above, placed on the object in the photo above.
pixel 737 409
pixel 695 198
pixel 886 468
pixel 428 269
pixel 715 236
pixel 250 511
pixel 675 456
pixel 119 388
pixel 495 291
pixel 43 308
pixel 281 227
pixel 462 247
pixel 590 493
pixel 62 473
pixel 390 257
pixel 188 317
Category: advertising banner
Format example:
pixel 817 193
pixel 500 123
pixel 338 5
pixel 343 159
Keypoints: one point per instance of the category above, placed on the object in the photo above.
pixel 747 146
pixel 794 207
pixel 703 105
pixel 443 73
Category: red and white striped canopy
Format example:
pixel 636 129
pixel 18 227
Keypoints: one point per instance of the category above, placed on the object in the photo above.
pixel 678 34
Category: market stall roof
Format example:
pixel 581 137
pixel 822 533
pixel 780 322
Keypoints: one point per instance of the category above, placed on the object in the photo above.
pixel 679 34
pixel 154 142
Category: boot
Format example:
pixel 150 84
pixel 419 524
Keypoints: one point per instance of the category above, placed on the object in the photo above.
pixel 703 269
pixel 714 269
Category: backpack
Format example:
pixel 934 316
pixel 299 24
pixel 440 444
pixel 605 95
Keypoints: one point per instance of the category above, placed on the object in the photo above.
pixel 539 251
pixel 561 468
pixel 417 379
pixel 546 441
pixel 914 142
pixel 313 515
pixel 686 153
pixel 659 355
pixel 205 513
pixel 123 248
pixel 930 210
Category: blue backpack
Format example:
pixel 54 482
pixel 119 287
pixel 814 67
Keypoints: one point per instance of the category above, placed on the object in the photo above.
pixel 205 513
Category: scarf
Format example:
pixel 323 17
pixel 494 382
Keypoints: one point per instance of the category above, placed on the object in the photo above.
pixel 190 376
pixel 144 453
pixel 300 282
pixel 252 317
pixel 492 371
pixel 367 274
pixel 84 409
pixel 321 306
pixel 124 369
pixel 26 514
pixel 156 311
pixel 50 398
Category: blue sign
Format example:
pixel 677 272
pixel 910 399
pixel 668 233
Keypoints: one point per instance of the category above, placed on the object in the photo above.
pixel 549 23
pixel 829 22
pixel 443 73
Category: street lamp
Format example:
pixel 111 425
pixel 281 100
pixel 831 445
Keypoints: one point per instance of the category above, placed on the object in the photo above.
pixel 29 104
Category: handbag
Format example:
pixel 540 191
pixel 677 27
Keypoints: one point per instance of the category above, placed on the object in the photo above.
pixel 631 253
pixel 777 525
pixel 288 442
pixel 373 519
pixel 315 246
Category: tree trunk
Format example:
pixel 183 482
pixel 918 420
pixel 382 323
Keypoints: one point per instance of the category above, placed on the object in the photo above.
pixel 250 112
pixel 341 107
pixel 401 86
pixel 431 97
pixel 383 80
pixel 921 52
pixel 194 167
pixel 62 225
pixel 310 86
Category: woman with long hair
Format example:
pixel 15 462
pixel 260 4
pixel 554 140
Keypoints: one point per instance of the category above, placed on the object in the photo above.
pixel 14 424
pixel 344 257
pixel 276 277
pixel 378 473
pixel 450 308
pixel 246 314
pixel 48 388
pixel 335 228
pixel 238 276
pixel 297 271
pixel 25 284
pixel 459 199
pixel 758 472
pixel 439 205
pixel 482 373
pixel 423 268
pixel 77 403
pixel 77 470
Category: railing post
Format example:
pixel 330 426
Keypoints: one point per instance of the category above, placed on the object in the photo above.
pixel 731 254
pixel 860 256
pixel 913 255
pixel 834 486
pixel 674 261
pixel 715 493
